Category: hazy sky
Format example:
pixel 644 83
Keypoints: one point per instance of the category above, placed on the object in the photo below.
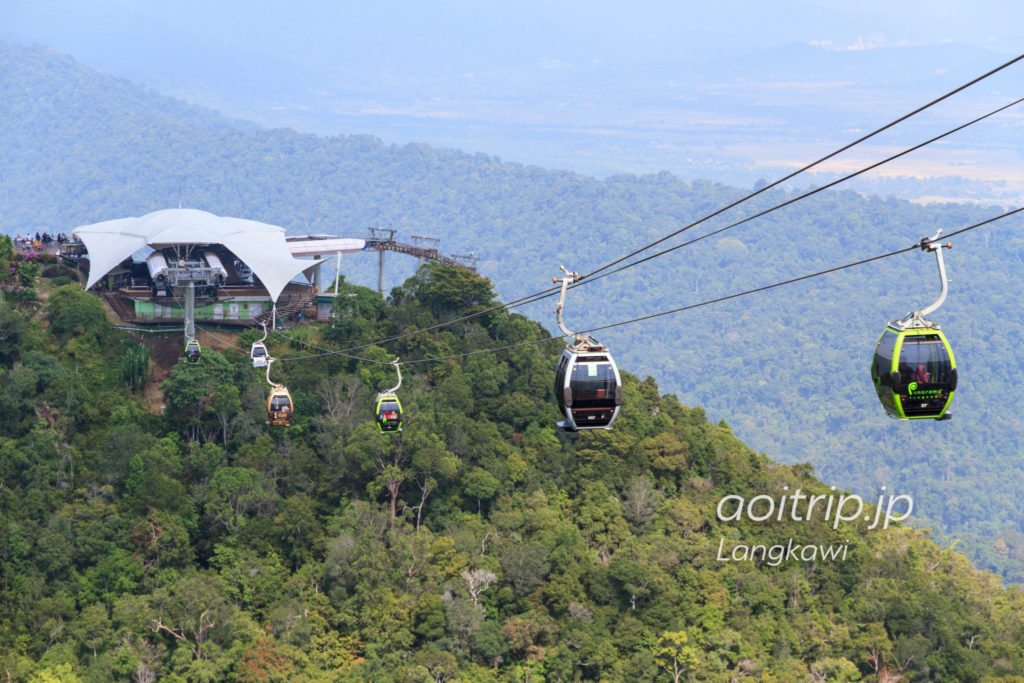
pixel 470 34
pixel 596 86
pixel 506 27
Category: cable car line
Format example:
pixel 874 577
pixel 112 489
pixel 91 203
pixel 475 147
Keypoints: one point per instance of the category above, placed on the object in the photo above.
pixel 330 352
pixel 708 302
pixel 326 351
pixel 810 192
pixel 588 386
pixel 529 299
pixel 804 277
pixel 221 339
pixel 808 166
pixel 690 306
pixel 593 275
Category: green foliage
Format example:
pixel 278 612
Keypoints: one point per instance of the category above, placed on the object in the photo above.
pixel 354 314
pixel 17 273
pixel 190 387
pixel 235 494
pixel 674 654
pixel 13 326
pixel 7 255
pixel 76 314
pixel 449 291
pixel 134 366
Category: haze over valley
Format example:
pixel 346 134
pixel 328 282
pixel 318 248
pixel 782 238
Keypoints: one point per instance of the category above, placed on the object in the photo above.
pixel 588 87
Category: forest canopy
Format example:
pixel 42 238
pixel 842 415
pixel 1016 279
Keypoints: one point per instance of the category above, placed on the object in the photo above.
pixel 479 544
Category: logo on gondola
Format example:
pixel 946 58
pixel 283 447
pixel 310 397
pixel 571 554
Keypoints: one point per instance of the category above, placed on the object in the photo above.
pixel 923 393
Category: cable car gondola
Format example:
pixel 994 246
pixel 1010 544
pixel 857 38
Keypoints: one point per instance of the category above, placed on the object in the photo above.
pixel 914 371
pixel 587 382
pixel 588 388
pixel 388 409
pixel 279 406
pixel 389 413
pixel 192 351
pixel 258 353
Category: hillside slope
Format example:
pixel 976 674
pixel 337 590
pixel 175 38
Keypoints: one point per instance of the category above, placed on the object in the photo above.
pixel 477 545
pixel 789 368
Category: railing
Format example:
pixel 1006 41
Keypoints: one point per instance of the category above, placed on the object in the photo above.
pixel 419 252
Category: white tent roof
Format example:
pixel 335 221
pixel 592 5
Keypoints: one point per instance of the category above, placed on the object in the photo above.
pixel 260 246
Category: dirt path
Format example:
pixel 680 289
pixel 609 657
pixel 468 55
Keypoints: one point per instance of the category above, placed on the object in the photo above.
pixel 165 351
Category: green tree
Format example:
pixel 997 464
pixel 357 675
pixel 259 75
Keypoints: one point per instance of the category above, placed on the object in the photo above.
pixel 432 464
pixel 384 457
pixel 480 484
pixel 193 611
pixel 60 673
pixel 224 408
pixel 13 326
pixel 154 480
pixel 74 312
pixel 450 290
pixel 235 494
pixel 428 617
pixel 189 386
pixel 675 654
pixel 93 629
pixel 354 314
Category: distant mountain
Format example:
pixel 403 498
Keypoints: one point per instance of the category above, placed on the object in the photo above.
pixel 591 89
pixel 787 368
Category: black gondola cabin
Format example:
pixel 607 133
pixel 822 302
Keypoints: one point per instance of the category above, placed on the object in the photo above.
pixel 914 372
pixel 588 389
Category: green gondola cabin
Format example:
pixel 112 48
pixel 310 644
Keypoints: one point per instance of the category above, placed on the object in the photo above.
pixel 192 351
pixel 388 413
pixel 914 372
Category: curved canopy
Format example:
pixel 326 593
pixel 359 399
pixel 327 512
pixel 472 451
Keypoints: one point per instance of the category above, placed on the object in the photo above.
pixel 260 246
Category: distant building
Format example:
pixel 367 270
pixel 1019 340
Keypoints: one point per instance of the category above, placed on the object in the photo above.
pixel 239 268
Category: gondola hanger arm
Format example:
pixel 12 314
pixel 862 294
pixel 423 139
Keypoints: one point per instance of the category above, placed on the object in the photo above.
pixel 270 361
pixel 398 369
pixel 581 340
pixel 935 246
